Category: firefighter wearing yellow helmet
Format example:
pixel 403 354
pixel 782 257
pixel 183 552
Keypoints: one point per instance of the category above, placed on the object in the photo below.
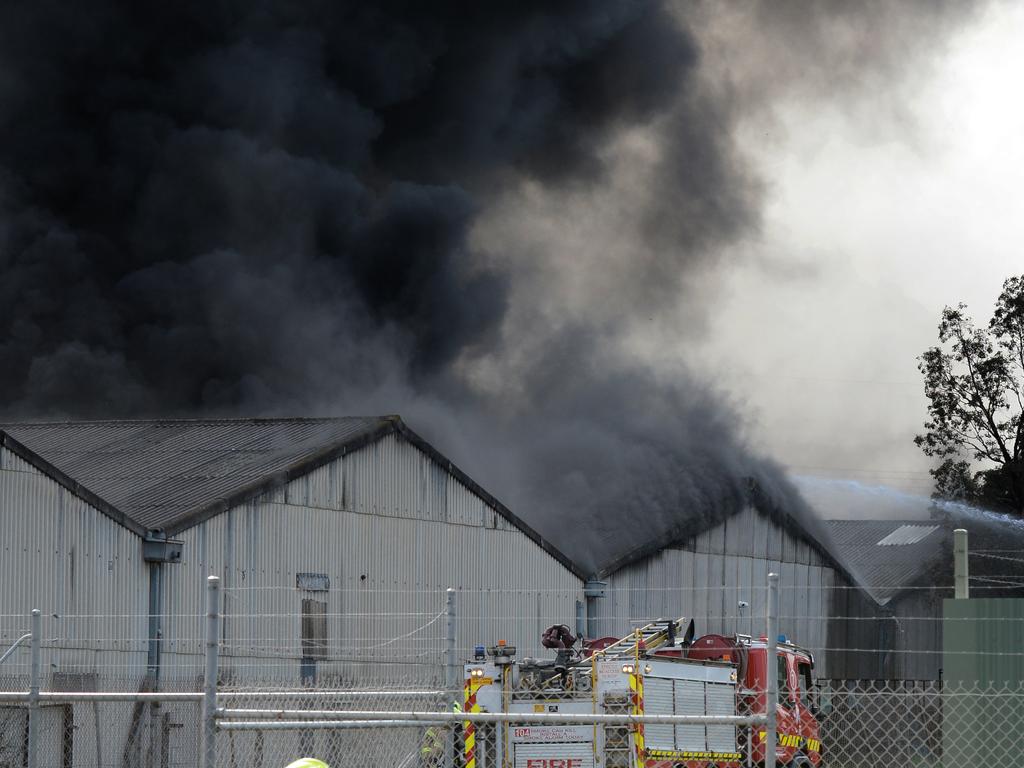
pixel 308 762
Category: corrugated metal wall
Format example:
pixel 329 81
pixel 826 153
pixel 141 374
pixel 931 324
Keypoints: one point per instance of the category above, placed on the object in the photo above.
pixel 918 636
pixel 80 568
pixel 392 529
pixel 708 576
pixel 898 641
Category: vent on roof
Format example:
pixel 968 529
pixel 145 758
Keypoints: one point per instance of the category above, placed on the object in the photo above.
pixel 908 534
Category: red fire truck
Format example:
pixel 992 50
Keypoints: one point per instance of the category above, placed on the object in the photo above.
pixel 798 707
pixel 656 670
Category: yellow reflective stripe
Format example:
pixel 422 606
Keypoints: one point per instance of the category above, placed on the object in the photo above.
pixel 636 687
pixel 662 753
pixel 469 729
pixel 793 740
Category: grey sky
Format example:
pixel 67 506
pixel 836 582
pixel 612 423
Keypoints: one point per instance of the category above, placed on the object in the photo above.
pixel 882 222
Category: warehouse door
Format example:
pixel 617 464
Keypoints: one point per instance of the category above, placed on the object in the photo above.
pixel 313 638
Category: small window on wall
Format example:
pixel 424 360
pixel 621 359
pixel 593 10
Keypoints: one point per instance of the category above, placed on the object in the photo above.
pixel 314 628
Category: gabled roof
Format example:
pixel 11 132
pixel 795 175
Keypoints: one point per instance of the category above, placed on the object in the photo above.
pixel 171 474
pixel 799 520
pixel 890 556
pixel 894 557
pixel 161 473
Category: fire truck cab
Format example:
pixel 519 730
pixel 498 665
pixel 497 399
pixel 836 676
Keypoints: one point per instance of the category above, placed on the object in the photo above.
pixel 798 707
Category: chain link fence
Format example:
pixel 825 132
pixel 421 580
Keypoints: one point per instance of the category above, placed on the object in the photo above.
pixel 386 743
pixel 864 724
pixel 868 725
pixel 100 733
pixel 923 723
pixel 395 696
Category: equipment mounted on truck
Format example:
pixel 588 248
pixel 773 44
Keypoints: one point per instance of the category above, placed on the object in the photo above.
pixel 651 671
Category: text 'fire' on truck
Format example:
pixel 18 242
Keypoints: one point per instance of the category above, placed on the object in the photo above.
pixel 652 671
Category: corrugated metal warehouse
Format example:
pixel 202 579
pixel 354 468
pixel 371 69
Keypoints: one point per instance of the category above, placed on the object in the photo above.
pixel 335 540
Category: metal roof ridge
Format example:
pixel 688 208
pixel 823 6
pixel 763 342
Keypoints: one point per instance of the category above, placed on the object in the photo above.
pixel 210 420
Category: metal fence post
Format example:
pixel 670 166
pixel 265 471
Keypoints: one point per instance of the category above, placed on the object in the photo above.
pixel 961 572
pixel 210 679
pixel 771 684
pixel 451 675
pixel 451 678
pixel 33 690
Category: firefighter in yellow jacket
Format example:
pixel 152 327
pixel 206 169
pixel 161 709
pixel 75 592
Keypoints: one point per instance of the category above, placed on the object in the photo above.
pixel 432 746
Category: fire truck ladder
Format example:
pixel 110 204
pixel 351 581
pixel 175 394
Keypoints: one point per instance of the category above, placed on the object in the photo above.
pixel 653 635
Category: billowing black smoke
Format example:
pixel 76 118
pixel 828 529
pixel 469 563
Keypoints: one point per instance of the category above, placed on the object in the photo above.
pixel 178 179
pixel 273 207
